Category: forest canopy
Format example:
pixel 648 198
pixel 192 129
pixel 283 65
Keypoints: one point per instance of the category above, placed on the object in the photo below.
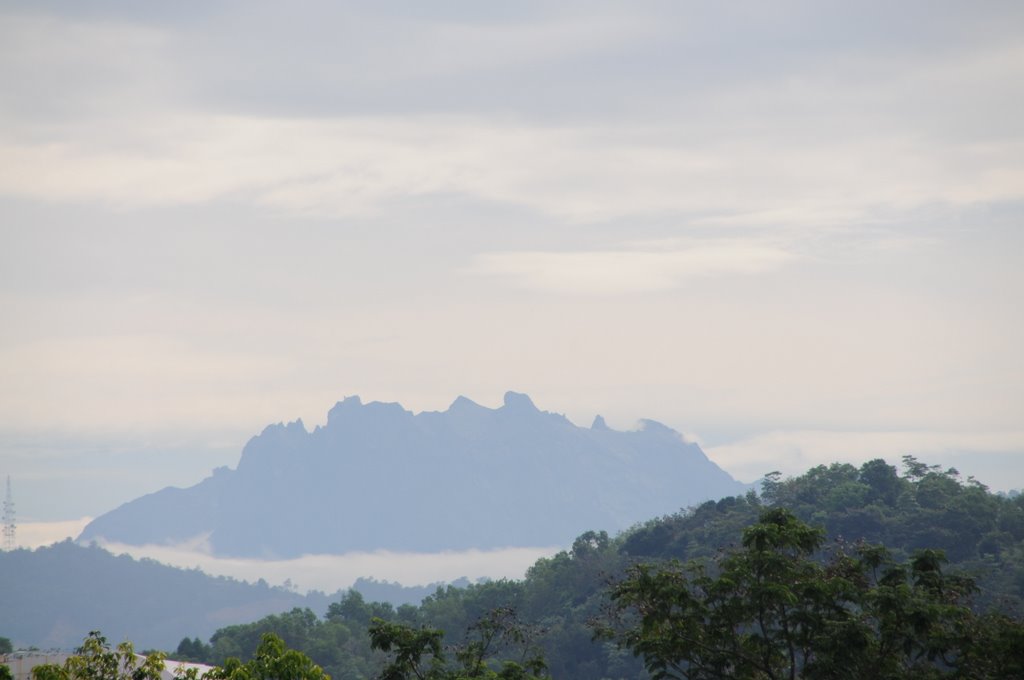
pixel 874 531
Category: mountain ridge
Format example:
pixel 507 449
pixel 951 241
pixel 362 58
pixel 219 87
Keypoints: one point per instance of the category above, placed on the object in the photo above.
pixel 377 476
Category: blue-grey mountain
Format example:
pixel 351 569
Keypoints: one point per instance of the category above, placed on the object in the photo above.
pixel 377 476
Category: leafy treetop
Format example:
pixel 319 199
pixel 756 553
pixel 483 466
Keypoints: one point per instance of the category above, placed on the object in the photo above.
pixel 771 610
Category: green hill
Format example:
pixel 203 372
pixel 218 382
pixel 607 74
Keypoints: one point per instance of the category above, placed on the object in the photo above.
pixel 62 592
pixel 562 597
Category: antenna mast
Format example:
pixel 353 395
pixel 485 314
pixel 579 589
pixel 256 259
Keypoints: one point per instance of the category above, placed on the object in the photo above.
pixel 9 524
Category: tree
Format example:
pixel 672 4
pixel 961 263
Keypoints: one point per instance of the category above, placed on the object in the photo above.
pixel 5 648
pixel 353 608
pixel 418 653
pixel 96 660
pixel 772 610
pixel 415 652
pixel 192 650
pixel 882 480
pixel 273 661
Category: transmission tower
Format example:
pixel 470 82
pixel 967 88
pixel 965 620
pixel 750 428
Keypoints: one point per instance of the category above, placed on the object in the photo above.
pixel 9 524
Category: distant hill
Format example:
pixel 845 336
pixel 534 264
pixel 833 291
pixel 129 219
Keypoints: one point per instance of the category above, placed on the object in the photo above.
pixel 380 477
pixel 52 597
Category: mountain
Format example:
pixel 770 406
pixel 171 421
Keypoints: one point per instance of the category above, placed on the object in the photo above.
pixel 377 476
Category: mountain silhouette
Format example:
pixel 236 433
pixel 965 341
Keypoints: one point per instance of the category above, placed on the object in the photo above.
pixel 377 476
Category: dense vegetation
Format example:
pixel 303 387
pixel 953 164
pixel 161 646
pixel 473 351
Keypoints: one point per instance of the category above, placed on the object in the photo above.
pixel 412 653
pixel 564 599
pixel 772 610
pixel 926 508
pixel 97 660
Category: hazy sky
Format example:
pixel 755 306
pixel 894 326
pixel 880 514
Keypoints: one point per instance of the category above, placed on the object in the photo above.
pixel 793 231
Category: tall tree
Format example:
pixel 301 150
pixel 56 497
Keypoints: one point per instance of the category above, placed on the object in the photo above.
pixel 273 661
pixel 418 653
pixel 772 610
pixel 97 660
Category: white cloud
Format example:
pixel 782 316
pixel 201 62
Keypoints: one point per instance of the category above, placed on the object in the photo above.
pixel 345 167
pixel 628 271
pixel 310 572
pixel 143 378
pixel 38 534
pixel 448 47
pixel 544 139
pixel 332 572
pixel 836 139
pixel 56 68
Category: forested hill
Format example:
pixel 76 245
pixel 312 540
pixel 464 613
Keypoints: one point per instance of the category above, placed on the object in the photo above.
pixel 925 507
pixel 492 478
pixel 51 597
pixel 55 595
pixel 562 596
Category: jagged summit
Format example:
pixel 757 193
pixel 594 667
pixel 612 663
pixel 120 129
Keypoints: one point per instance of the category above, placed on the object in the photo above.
pixel 518 402
pixel 378 476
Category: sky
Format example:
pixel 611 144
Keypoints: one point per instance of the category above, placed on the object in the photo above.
pixel 793 231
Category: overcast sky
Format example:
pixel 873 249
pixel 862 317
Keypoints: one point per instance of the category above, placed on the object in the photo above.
pixel 793 231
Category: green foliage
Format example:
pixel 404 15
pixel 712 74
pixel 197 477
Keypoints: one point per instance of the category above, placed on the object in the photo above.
pixel 927 508
pixel 700 531
pixel 352 608
pixel 339 645
pixel 272 661
pixel 5 646
pixel 96 660
pixel 414 653
pixel 192 650
pixel 419 653
pixel 771 610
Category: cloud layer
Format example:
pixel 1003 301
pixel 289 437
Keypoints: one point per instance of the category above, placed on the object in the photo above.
pixel 329 573
pixel 736 219
pixel 630 271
